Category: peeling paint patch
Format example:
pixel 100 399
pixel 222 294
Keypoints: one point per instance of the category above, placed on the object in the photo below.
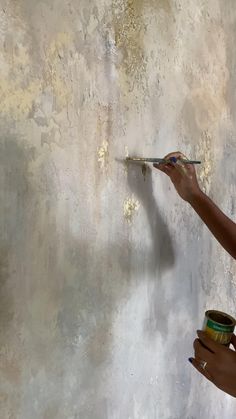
pixel 131 206
pixel 130 25
pixel 103 155
pixel 129 30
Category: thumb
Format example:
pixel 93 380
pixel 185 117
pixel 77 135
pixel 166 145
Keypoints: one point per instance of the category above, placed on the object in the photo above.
pixel 233 341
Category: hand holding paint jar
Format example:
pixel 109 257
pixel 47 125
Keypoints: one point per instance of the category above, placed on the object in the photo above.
pixel 213 357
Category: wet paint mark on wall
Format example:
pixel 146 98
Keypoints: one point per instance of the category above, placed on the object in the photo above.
pixel 205 153
pixel 131 206
pixel 103 155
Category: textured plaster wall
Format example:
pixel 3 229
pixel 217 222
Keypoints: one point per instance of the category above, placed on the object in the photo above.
pixel 105 275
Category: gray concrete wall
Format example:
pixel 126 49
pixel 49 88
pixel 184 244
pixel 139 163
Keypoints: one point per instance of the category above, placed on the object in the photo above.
pixel 106 276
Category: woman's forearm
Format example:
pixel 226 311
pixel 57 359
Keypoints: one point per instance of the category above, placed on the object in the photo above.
pixel 218 223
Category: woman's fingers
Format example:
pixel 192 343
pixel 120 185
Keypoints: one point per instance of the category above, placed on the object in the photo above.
pixel 183 169
pixel 202 353
pixel 210 343
pixel 166 168
pixel 198 367
pixel 172 170
pixel 176 154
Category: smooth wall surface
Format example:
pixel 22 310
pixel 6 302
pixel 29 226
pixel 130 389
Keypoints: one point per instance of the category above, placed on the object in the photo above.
pixel 105 271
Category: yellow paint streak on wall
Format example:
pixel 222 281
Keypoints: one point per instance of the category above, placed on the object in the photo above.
pixel 57 46
pixel 103 155
pixel 54 67
pixel 18 96
pixel 17 101
pixel 103 132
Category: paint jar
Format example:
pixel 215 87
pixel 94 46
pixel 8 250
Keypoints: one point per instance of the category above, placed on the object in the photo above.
pixel 219 326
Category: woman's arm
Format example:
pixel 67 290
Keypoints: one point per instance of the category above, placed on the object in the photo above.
pixel 218 223
pixel 185 181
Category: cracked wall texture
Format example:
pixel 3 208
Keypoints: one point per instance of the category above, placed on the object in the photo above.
pixel 98 310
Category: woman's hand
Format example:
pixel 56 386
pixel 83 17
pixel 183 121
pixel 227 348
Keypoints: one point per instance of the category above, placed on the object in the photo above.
pixel 183 176
pixel 220 361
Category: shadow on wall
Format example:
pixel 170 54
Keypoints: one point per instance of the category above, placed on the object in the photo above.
pixel 100 278
pixel 85 282
pixel 6 300
pixel 162 255
pixel 14 191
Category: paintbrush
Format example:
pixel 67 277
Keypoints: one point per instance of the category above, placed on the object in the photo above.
pixel 162 161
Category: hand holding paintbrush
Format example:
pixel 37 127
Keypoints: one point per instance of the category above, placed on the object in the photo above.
pixel 171 159
pixel 182 174
pixel 180 170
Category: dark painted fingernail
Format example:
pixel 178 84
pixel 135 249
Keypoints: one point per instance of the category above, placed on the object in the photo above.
pixel 190 360
pixel 173 159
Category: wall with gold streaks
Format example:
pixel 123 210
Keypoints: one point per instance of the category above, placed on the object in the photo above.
pixel 105 273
